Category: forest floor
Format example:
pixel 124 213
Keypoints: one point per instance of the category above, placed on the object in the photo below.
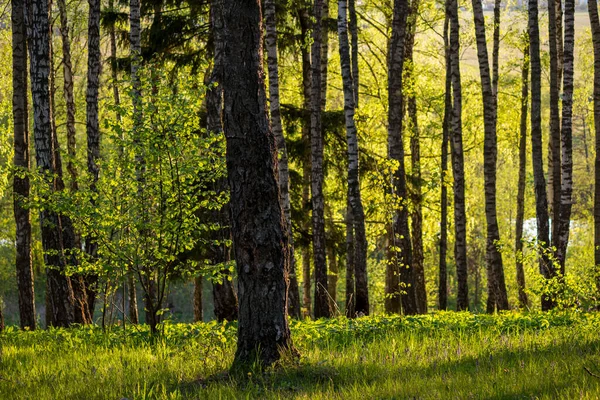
pixel 437 356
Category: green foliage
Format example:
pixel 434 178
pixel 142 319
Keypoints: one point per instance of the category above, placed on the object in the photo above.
pixel 443 355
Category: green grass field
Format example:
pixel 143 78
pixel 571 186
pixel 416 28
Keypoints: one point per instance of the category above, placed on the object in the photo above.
pixel 440 356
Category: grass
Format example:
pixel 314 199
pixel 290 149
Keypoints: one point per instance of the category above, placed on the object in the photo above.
pixel 439 356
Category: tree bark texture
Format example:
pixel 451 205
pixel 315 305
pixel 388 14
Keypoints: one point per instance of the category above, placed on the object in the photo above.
pixel 443 271
pixel 23 262
pixel 198 313
pixel 276 126
pixel 554 162
pixel 523 301
pixel 60 302
pixel 566 132
pixel 458 163
pixel 401 251
pixel 541 201
pixel 321 299
pixel 258 224
pixel 497 297
pixel 354 195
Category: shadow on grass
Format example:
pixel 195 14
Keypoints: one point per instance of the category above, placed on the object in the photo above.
pixel 494 375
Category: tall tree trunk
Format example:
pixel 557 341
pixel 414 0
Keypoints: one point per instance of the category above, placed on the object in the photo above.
pixel 353 26
pixel 258 225
pixel 276 126
pixel 595 25
pixel 443 272
pixel 303 16
pixel 415 156
pixel 93 129
pixel 333 273
pixel 496 51
pixel 198 313
pixel 541 202
pixel 325 28
pixel 354 196
pixel 321 307
pixel 458 163
pixel 554 162
pixel 497 297
pixel 21 160
pixel 523 302
pixel 401 263
pixel 60 302
pixel 224 298
pixel 566 138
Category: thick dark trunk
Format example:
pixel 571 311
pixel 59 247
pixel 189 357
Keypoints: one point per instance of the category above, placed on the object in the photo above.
pixel 321 300
pixel 354 194
pixel 541 202
pixel 497 297
pixel 276 125
pixel 415 157
pixel 458 163
pixel 523 301
pixel 258 225
pixel 92 128
pixel 595 25
pixel 353 27
pixel 401 252
pixel 443 272
pixel 566 191
pixel 133 307
pixel 21 160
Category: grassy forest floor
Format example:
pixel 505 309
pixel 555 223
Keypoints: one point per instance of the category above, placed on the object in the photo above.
pixel 438 356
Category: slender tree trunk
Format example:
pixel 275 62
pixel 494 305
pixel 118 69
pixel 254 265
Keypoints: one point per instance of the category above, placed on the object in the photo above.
pixel 198 314
pixel 523 302
pixel 350 263
pixel 332 277
pixel 541 202
pixel 21 160
pixel 401 263
pixel 321 307
pixel 415 156
pixel 458 163
pixel 443 274
pixel 258 224
pixel 554 162
pixel 595 25
pixel 306 159
pixel 354 195
pixel 60 304
pixel 93 129
pixel 325 28
pixel 566 138
pixel 276 126
pixel 497 297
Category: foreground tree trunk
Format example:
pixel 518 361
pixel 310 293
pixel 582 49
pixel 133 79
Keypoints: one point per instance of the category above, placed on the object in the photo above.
pixel 60 302
pixel 93 129
pixel 258 225
pixel 321 307
pixel 554 173
pixel 361 304
pixel 541 202
pixel 284 176
pixel 595 25
pixel 353 27
pixel 497 297
pixel 21 160
pixel 523 302
pixel 400 263
pixel 415 156
pixel 443 272
pixel 566 131
pixel 458 163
